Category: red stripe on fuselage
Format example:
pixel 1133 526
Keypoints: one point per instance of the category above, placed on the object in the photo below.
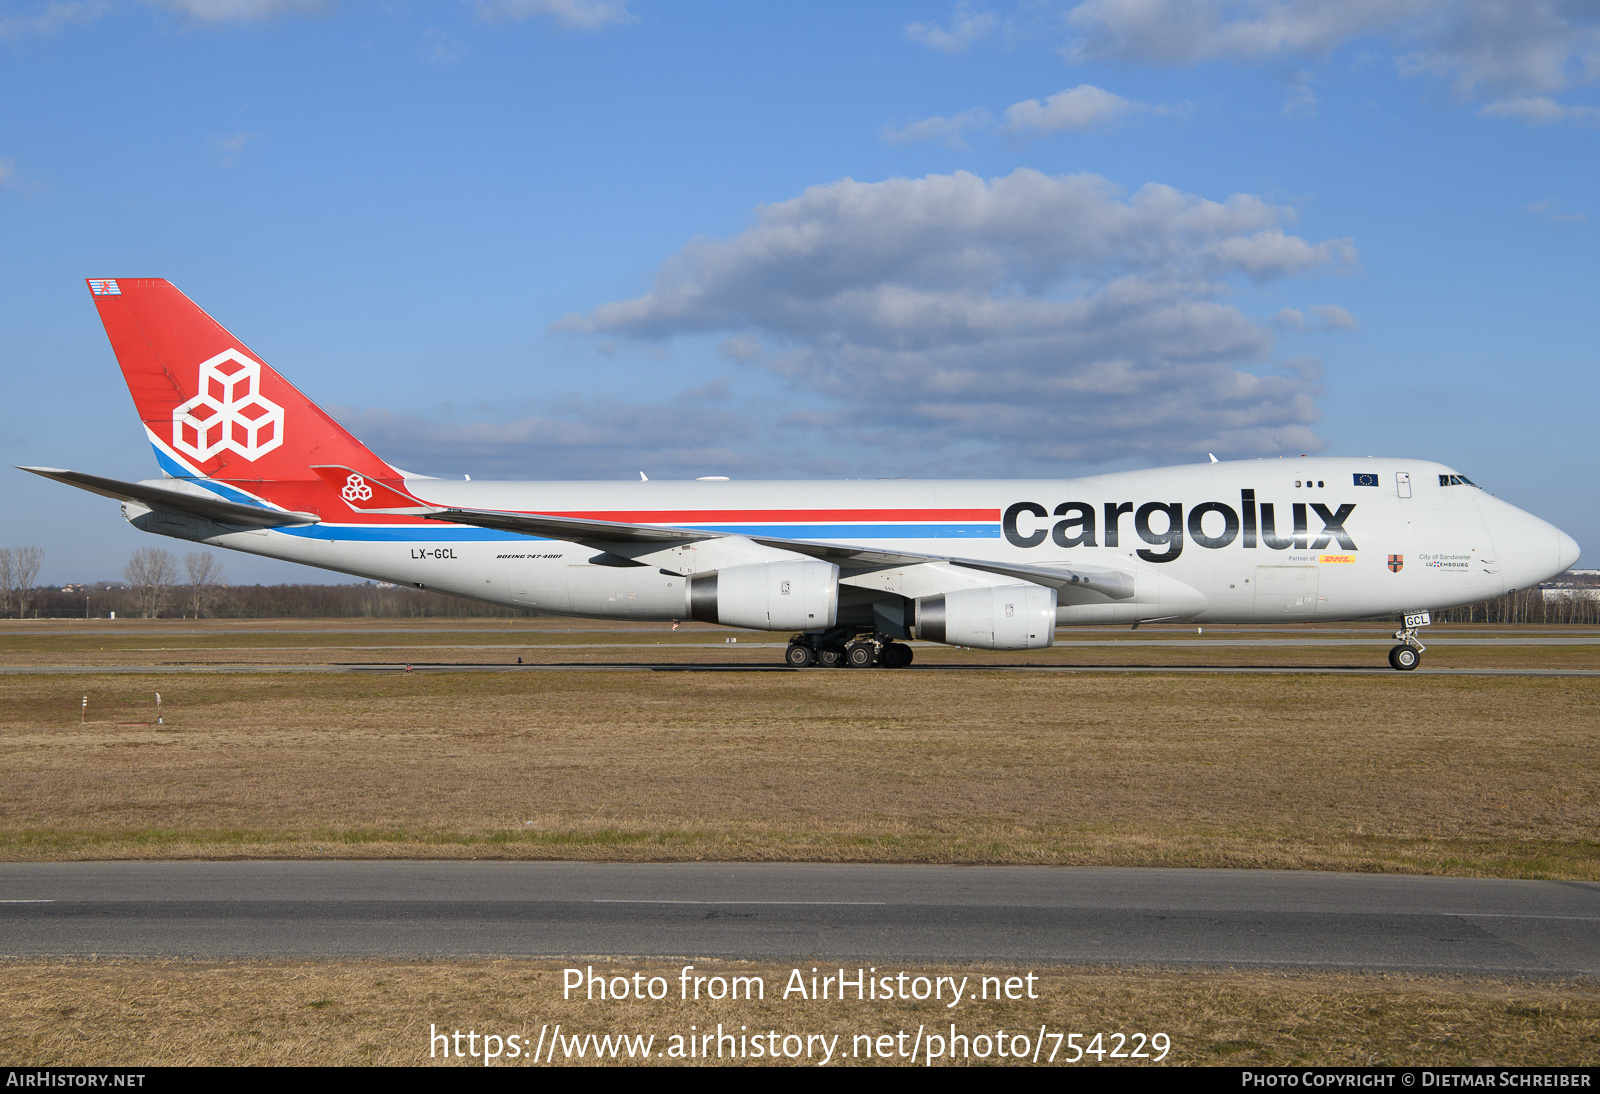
pixel 778 516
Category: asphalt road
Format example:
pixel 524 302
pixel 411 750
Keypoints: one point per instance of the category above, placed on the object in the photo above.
pixel 870 913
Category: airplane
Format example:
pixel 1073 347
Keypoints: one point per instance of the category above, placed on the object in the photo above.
pixel 853 569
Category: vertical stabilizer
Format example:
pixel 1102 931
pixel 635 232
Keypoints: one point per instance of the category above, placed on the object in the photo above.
pixel 210 406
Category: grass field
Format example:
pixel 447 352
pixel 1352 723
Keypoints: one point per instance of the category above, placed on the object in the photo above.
pixel 130 1014
pixel 125 643
pixel 1464 775
pixel 1470 775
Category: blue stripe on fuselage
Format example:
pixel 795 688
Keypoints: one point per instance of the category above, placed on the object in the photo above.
pixel 176 470
pixel 460 533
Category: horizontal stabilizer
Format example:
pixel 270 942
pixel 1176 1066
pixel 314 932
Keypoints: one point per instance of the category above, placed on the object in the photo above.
pixel 177 496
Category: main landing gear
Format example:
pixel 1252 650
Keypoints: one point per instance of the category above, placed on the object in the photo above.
pixel 1408 654
pixel 835 651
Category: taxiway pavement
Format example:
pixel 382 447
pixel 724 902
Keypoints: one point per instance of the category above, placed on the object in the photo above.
pixel 860 913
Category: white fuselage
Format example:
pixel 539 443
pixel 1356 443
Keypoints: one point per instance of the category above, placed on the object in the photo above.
pixel 1254 541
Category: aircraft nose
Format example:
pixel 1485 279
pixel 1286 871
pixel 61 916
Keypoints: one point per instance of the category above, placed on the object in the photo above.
pixel 1566 550
pixel 1530 550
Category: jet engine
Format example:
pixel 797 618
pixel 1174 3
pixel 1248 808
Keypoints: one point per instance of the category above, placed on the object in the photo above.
pixel 802 595
pixel 1002 617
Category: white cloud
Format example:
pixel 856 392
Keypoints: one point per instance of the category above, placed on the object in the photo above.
pixel 229 147
pixel 967 25
pixel 1043 317
pixel 1539 110
pixel 573 14
pixel 1080 108
pixel 577 438
pixel 215 12
pixel 439 48
pixel 1547 211
pixel 1333 317
pixel 937 128
pixel 8 171
pixel 47 19
pixel 1510 51
pixel 1298 97
pixel 1186 31
pixel 716 390
pixel 1324 317
pixel 742 350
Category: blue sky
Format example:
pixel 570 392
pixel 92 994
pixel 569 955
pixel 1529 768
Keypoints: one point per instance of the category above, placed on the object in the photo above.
pixel 569 239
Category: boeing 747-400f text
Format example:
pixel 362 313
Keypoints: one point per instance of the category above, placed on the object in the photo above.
pixel 851 568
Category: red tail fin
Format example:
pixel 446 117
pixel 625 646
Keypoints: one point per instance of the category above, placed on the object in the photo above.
pixel 211 407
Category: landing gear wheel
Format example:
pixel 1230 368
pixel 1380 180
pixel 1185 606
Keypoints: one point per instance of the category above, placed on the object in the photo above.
pixel 1404 658
pixel 895 656
pixel 799 656
pixel 861 656
pixel 830 657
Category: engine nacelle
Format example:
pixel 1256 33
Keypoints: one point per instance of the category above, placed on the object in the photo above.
pixel 1002 617
pixel 802 595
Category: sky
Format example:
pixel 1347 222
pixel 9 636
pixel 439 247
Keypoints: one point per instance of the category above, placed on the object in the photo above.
pixel 558 239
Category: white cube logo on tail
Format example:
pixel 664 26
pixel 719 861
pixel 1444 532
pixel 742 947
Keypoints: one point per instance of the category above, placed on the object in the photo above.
pixel 229 413
pixel 356 489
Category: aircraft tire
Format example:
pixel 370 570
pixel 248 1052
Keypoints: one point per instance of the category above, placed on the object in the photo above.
pixel 799 656
pixel 895 656
pixel 830 657
pixel 861 656
pixel 1404 658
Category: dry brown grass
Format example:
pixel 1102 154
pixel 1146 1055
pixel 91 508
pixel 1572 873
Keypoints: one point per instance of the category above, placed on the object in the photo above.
pixel 1483 776
pixel 175 1013
pixel 565 641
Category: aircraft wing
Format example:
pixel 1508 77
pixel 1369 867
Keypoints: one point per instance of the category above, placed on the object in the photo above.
pixel 605 535
pixel 1112 583
pixel 365 494
pixel 175 496
pixel 590 533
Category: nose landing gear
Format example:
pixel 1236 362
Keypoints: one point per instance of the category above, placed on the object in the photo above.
pixel 1408 654
pixel 1404 658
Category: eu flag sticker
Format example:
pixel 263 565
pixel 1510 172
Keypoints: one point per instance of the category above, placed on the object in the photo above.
pixel 1366 480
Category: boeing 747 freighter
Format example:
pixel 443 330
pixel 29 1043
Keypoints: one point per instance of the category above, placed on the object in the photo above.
pixel 851 569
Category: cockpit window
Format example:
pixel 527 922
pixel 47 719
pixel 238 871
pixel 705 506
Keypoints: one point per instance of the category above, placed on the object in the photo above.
pixel 1455 480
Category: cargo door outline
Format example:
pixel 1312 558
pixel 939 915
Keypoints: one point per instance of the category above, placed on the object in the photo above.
pixel 1288 590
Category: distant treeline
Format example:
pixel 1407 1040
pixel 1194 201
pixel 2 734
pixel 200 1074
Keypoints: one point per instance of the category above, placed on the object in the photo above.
pixel 272 602
pixel 1529 606
pixel 398 602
